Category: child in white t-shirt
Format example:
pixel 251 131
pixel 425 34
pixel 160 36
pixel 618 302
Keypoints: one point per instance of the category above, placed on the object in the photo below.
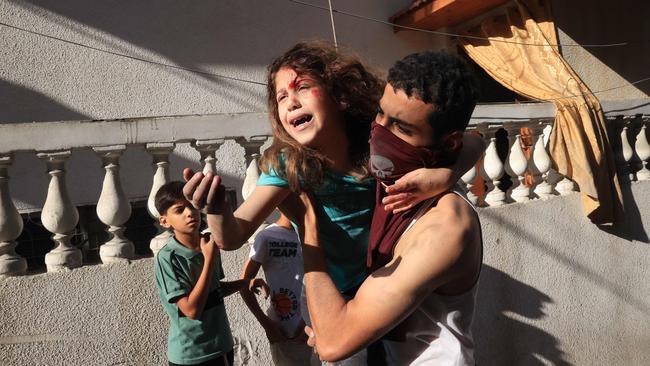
pixel 277 250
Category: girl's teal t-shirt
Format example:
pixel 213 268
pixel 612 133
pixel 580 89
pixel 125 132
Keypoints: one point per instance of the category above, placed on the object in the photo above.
pixel 344 207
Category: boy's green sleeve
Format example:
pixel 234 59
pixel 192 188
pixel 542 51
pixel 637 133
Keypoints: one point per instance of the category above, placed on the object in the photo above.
pixel 170 278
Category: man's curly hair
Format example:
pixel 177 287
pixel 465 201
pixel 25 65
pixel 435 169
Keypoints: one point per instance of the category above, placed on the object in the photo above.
pixel 443 80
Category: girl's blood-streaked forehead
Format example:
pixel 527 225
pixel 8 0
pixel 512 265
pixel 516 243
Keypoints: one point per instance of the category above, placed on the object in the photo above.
pixel 294 82
pixel 290 74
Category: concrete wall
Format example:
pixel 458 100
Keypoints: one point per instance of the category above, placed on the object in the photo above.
pixel 555 289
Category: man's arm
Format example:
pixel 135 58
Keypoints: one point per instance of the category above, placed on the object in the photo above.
pixel 192 305
pixel 230 230
pixel 427 257
pixel 420 184
pixel 273 332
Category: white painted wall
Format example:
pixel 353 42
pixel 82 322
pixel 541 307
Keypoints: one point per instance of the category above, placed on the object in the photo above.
pixel 42 79
pixel 554 290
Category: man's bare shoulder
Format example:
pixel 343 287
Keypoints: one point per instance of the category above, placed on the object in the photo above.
pixel 443 246
pixel 450 217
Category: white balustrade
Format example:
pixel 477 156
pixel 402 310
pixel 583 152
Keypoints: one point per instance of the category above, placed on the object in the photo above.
pixel 160 153
pixel 11 225
pixel 493 170
pixel 643 152
pixel 113 207
pixel 208 149
pixel 59 216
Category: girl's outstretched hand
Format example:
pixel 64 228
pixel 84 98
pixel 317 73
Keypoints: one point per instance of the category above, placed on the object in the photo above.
pixel 416 186
pixel 204 191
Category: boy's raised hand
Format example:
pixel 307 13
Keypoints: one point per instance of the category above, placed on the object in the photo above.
pixel 204 191
pixel 208 247
pixel 259 287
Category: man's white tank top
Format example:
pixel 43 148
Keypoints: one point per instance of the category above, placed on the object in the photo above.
pixel 438 331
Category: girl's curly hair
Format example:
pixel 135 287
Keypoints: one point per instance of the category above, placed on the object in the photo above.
pixel 349 83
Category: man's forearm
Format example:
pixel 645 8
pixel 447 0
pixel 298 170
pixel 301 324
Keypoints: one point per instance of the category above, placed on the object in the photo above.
pixel 325 302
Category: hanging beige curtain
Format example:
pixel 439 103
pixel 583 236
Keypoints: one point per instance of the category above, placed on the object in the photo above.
pixel 579 144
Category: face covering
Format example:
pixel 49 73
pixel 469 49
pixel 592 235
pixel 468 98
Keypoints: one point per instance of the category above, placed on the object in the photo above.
pixel 390 159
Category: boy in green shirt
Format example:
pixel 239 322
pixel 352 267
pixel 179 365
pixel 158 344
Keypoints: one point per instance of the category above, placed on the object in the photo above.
pixel 188 273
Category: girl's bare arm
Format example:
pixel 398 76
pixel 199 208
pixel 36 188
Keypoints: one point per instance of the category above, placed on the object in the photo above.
pixel 230 229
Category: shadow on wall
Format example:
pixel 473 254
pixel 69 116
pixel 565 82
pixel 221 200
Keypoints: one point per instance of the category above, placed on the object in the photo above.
pixel 632 228
pixel 504 305
pixel 18 104
pixel 197 35
pixel 586 272
pixel 602 22
pixel 201 32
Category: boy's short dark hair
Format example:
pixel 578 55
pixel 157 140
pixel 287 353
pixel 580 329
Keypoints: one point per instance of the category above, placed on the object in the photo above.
pixel 443 80
pixel 168 195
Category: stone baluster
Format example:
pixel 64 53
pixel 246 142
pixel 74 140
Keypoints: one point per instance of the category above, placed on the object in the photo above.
pixel 643 152
pixel 493 170
pixel 160 153
pixel 252 148
pixel 627 153
pixel 565 186
pixel 517 165
pixel 113 207
pixel 11 225
pixel 468 179
pixel 540 164
pixel 208 152
pixel 207 149
pixel 59 216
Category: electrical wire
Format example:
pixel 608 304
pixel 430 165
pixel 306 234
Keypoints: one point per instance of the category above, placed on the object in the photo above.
pixel 336 44
pixel 448 34
pixel 133 57
pixel 601 91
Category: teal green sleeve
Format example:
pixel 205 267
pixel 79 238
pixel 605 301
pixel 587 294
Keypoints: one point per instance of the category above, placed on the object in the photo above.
pixel 170 281
pixel 271 179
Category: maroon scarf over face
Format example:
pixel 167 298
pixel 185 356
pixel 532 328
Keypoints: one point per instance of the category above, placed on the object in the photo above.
pixel 390 159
